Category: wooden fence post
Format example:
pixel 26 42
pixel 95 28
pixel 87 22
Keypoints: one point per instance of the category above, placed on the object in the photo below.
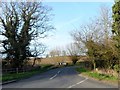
pixel 17 70
pixel 6 70
pixel 23 70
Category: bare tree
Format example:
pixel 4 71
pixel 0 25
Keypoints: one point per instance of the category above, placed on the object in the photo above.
pixel 52 53
pixel 64 53
pixel 94 33
pixel 98 29
pixel 73 52
pixel 38 49
pixel 55 52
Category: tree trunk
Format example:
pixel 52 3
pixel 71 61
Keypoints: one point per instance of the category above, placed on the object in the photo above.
pixel 94 65
pixel 34 62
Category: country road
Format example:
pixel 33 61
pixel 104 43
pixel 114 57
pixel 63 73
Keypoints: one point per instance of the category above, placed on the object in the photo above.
pixel 65 77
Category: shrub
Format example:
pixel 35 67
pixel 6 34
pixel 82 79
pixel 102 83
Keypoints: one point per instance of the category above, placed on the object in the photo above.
pixel 116 68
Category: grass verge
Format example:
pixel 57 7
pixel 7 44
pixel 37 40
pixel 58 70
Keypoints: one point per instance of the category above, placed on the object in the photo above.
pixel 97 75
pixel 17 76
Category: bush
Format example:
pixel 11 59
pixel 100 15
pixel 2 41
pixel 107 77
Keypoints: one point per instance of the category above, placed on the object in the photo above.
pixel 116 68
pixel 74 59
pixel 81 70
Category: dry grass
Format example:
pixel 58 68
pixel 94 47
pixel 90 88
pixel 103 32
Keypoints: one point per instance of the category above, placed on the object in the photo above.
pixel 108 71
pixel 55 60
pixel 52 60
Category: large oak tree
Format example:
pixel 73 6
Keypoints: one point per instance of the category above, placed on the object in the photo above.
pixel 20 23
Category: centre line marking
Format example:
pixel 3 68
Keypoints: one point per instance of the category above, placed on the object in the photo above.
pixel 55 75
pixel 58 72
pixel 77 83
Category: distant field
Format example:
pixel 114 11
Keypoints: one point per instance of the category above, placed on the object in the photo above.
pixel 52 60
pixel 55 60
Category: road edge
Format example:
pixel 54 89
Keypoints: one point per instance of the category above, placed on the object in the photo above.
pixel 7 82
pixel 15 80
pixel 101 81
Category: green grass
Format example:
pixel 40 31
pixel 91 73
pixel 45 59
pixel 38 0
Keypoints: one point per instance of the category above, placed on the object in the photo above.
pixel 14 76
pixel 82 70
pixel 96 75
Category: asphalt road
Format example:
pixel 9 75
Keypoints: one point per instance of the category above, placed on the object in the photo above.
pixel 65 77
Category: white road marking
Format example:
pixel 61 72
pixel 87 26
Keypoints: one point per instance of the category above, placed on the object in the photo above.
pixel 77 83
pixel 58 72
pixel 71 86
pixel 55 75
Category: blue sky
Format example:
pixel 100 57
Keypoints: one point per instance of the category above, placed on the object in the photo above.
pixel 69 16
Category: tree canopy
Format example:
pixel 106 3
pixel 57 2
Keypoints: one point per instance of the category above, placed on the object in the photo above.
pixel 20 24
pixel 116 22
